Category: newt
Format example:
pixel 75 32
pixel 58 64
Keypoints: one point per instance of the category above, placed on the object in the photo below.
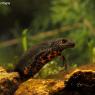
pixel 39 55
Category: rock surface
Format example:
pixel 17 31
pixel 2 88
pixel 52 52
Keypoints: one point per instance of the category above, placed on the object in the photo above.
pixel 8 82
pixel 81 81
pixel 40 87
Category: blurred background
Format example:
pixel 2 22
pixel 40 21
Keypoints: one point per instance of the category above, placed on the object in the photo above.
pixel 24 23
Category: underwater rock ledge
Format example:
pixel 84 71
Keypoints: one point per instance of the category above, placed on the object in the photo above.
pixel 78 82
pixel 8 82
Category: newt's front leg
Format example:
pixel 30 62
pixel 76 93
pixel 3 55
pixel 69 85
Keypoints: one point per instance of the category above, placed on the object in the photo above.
pixel 64 62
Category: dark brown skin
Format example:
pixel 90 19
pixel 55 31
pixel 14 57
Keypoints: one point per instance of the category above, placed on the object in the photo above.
pixel 39 55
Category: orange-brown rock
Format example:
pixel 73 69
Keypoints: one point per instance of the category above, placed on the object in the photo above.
pixel 8 82
pixel 40 87
pixel 80 82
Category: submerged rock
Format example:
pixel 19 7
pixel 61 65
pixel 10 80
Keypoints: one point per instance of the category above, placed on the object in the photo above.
pixel 40 87
pixel 78 83
pixel 8 82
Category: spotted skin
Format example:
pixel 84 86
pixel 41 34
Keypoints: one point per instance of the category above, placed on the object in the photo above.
pixel 35 58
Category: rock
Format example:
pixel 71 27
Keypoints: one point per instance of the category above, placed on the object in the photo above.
pixel 2 70
pixel 40 87
pixel 80 82
pixel 8 82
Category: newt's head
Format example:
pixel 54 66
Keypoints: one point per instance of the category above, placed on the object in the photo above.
pixel 63 43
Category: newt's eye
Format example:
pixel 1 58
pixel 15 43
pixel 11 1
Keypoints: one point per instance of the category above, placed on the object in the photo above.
pixel 64 41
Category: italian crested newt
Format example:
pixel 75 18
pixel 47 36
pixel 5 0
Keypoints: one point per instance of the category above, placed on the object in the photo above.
pixel 37 56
